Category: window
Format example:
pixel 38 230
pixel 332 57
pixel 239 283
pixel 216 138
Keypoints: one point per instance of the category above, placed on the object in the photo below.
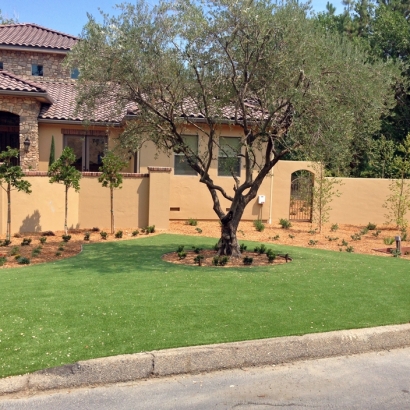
pixel 1 65
pixel 181 166
pixel 88 151
pixel 37 70
pixel 74 73
pixel 228 160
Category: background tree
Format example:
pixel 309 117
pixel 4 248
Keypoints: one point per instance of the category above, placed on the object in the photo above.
pixel 111 177
pixel 11 179
pixel 63 171
pixel 282 82
pixel 6 20
pixel 52 156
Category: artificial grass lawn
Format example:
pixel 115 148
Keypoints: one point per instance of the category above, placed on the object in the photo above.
pixel 120 297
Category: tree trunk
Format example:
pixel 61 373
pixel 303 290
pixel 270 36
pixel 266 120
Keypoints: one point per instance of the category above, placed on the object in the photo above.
pixel 112 209
pixel 228 244
pixel 8 234
pixel 66 210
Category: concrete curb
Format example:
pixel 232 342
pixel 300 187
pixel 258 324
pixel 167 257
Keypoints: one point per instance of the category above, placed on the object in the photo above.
pixel 207 358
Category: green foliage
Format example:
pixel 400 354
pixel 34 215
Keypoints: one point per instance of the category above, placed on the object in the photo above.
pixel 275 238
pixel 396 253
pixel 150 229
pixel 331 239
pixel 291 236
pixel 312 231
pixel 197 249
pixel 220 260
pixel 87 236
pixel 66 238
pixel 111 177
pixel 23 261
pixel 103 235
pixel 43 239
pixel 3 260
pixel 11 179
pixel 52 156
pixel 312 242
pixel 199 230
pixel 259 225
pixel 247 260
pixel 334 227
pixel 324 191
pixel 377 233
pixel 6 242
pixel 36 251
pixel 58 253
pixel 62 171
pixel 192 222
pixel 260 249
pixel 271 255
pixel 356 236
pixel 61 247
pixel 371 227
pixel 180 248
pixel 26 242
pixel 198 259
pixel 364 231
pixel 15 250
pixel 349 249
pixel 135 232
pixel 285 223
pixel 118 234
pixel 182 255
pixel 389 240
pixel 242 247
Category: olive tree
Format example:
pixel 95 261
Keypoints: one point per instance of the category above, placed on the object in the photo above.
pixel 264 69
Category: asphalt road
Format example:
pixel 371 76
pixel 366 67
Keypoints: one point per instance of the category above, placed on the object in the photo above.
pixel 374 381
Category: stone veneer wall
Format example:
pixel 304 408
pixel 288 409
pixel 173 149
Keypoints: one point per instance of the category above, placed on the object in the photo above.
pixel 28 110
pixel 19 63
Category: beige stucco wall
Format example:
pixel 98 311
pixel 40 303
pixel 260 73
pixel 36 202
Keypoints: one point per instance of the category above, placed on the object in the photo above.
pixel 361 201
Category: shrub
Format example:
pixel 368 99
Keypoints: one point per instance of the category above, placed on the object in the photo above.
pixel 376 234
pixel 17 256
pixel 395 253
pixel 196 249
pixel 356 237
pixel 198 259
pixel 285 223
pixel 242 247
pixel 350 249
pixel 23 261
pixel 66 238
pixel 180 248
pixel 135 233
pixel 95 229
pixel 220 260
pixel 275 238
pixel 344 243
pixel 312 242
pixel 118 234
pixel 261 249
pixel 14 250
pixel 312 231
pixel 388 240
pixel 334 227
pixel 150 229
pixel 216 246
pixel 61 247
pixel 3 260
pixel 403 235
pixel 6 242
pixel 192 222
pixel 364 231
pixel 247 260
pixel 36 251
pixel 103 235
pixel 26 242
pixel 199 230
pixel 182 255
pixel 58 253
pixel 331 239
pixel 371 227
pixel 87 236
pixel 271 255
pixel 43 239
pixel 291 236
pixel 259 225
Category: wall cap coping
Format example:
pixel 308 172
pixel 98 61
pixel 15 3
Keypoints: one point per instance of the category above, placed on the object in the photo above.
pixel 85 174
pixel 159 169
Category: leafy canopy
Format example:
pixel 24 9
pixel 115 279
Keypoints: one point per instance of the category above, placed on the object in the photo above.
pixel 11 174
pixel 63 171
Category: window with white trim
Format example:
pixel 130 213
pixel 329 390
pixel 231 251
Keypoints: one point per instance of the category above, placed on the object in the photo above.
pixel 228 160
pixel 181 166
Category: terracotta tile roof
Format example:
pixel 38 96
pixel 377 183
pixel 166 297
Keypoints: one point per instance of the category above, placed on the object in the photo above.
pixel 11 82
pixel 33 35
pixel 63 108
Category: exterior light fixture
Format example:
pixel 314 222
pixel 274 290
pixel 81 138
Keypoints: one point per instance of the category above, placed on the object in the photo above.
pixel 26 144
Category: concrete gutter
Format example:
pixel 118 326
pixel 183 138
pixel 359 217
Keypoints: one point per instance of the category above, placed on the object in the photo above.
pixel 208 358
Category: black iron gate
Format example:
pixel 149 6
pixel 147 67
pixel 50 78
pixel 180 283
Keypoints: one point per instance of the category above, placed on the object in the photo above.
pixel 301 196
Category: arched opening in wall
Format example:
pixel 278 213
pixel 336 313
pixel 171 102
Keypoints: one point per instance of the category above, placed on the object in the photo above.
pixel 301 196
pixel 9 132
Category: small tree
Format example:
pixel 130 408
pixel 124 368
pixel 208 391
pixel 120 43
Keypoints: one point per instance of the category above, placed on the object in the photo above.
pixel 63 171
pixel 52 157
pixel 10 179
pixel 398 202
pixel 111 177
pixel 323 192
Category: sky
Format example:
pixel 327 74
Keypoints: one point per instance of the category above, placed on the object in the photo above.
pixel 70 16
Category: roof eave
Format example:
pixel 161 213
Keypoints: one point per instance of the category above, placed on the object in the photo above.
pixel 42 97
pixel 78 122
pixel 33 48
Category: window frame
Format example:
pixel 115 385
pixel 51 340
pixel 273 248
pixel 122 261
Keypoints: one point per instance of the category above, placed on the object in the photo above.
pixel 36 71
pixel 185 170
pixel 223 171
